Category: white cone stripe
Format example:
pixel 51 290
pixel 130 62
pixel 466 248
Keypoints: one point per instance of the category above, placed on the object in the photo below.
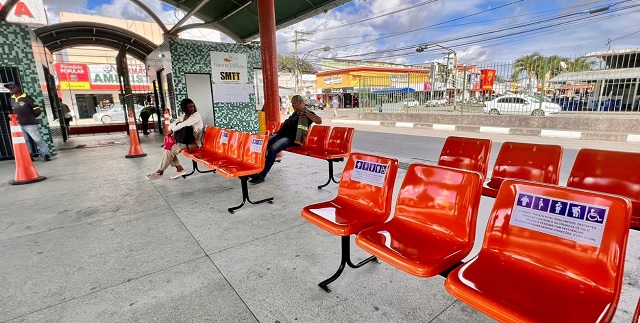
pixel 15 129
pixel 18 140
pixel 132 127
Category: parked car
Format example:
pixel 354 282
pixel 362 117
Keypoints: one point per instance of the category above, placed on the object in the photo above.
pixel 313 104
pixel 517 104
pixel 410 103
pixel 436 102
pixel 115 114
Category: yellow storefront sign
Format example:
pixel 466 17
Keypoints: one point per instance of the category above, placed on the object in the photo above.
pixel 75 86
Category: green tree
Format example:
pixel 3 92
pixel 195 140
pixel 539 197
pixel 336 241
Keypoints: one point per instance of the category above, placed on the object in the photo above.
pixel 287 64
pixel 531 65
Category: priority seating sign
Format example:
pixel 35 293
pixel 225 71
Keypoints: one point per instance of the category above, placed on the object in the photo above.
pixel 571 220
pixel 369 173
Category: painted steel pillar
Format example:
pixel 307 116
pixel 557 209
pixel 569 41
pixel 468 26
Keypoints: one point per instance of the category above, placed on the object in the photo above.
pixel 269 52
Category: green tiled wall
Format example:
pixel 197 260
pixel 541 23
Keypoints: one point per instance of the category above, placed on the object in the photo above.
pixel 16 50
pixel 190 56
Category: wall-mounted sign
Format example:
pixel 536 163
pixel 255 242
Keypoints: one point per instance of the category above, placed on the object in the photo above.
pixel 28 12
pixel 229 68
pixel 99 77
pixel 338 90
pixel 399 78
pixel 333 79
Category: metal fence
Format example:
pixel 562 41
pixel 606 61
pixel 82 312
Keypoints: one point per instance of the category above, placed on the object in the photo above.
pixel 600 82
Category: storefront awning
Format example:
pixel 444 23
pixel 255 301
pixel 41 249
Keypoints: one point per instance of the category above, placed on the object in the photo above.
pixel 620 73
pixel 392 90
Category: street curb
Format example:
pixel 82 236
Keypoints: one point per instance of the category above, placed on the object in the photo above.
pixel 548 133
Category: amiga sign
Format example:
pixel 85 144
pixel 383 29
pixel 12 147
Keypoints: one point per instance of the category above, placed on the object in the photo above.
pixel 28 12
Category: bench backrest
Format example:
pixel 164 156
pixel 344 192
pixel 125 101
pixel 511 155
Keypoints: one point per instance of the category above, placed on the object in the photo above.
pixel 209 140
pixel 272 127
pixel 317 137
pixel 236 146
pixel 466 153
pixel 367 181
pixel 443 200
pixel 544 240
pixel 532 162
pixel 255 149
pixel 340 140
pixel 613 172
pixel 222 145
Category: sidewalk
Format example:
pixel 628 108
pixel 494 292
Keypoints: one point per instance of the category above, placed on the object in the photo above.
pixel 97 242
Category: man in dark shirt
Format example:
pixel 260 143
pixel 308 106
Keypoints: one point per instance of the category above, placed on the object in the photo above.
pixel 286 135
pixel 27 110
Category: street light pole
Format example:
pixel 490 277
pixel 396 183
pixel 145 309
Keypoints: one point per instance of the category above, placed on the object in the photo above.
pixel 422 47
pixel 299 62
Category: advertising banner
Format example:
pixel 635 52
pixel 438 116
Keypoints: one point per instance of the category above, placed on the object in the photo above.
pixel 73 76
pixel 487 77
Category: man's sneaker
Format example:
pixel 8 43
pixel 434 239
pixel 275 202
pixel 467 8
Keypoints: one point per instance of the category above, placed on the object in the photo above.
pixel 178 174
pixel 153 176
pixel 47 158
pixel 257 180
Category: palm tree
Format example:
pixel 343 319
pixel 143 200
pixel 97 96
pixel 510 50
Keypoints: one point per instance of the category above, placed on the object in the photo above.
pixel 529 64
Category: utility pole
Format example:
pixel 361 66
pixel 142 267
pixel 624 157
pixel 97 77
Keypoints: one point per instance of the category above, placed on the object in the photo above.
pixel 298 38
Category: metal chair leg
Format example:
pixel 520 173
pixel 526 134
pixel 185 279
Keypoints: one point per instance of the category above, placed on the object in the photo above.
pixel 245 195
pixel 345 259
pixel 330 173
pixel 195 168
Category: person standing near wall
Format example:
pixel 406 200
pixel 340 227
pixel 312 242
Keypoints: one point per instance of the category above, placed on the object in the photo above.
pixel 145 114
pixel 28 110
pixel 335 104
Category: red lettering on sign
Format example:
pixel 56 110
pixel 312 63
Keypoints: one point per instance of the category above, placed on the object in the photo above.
pixel 21 9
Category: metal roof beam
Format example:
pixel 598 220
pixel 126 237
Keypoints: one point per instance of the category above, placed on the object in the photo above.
pixel 151 14
pixel 188 15
pixel 6 8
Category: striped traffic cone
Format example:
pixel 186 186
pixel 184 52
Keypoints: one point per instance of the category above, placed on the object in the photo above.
pixel 167 120
pixel 25 171
pixel 134 142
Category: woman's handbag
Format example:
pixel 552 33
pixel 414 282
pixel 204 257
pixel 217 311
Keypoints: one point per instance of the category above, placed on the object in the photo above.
pixel 168 142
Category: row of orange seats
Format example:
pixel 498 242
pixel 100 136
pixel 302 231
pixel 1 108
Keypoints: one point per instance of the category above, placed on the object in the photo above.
pixel 613 172
pixel 550 253
pixel 232 154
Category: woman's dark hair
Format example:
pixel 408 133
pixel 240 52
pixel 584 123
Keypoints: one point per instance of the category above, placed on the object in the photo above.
pixel 184 103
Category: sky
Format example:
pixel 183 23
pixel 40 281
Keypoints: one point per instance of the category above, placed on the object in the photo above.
pixel 479 31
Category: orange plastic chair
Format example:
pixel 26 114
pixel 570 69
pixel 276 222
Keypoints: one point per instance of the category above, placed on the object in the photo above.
pixel 232 147
pixel 209 141
pixel 531 162
pixel 433 227
pixel 550 254
pixel 250 162
pixel 272 127
pixel 466 153
pixel 613 172
pixel 316 140
pixel 338 148
pixel 363 200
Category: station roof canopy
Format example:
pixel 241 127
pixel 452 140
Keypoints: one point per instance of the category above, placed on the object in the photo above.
pixel 68 34
pixel 238 19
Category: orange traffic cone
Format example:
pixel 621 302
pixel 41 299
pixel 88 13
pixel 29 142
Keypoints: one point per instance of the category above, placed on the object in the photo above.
pixel 25 171
pixel 134 143
pixel 167 120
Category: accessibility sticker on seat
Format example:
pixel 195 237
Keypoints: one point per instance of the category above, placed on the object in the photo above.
pixel 571 220
pixel 369 173
pixel 256 145
pixel 225 137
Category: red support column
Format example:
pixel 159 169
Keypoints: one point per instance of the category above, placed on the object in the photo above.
pixel 269 52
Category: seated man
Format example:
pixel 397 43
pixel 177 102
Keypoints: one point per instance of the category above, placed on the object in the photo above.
pixel 286 136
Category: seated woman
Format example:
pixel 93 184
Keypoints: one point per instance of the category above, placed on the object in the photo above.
pixel 169 157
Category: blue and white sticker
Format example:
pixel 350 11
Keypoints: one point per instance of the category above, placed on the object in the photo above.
pixel 256 145
pixel 225 137
pixel 571 220
pixel 369 173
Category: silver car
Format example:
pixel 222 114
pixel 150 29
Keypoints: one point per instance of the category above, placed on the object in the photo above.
pixel 115 114
pixel 518 104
